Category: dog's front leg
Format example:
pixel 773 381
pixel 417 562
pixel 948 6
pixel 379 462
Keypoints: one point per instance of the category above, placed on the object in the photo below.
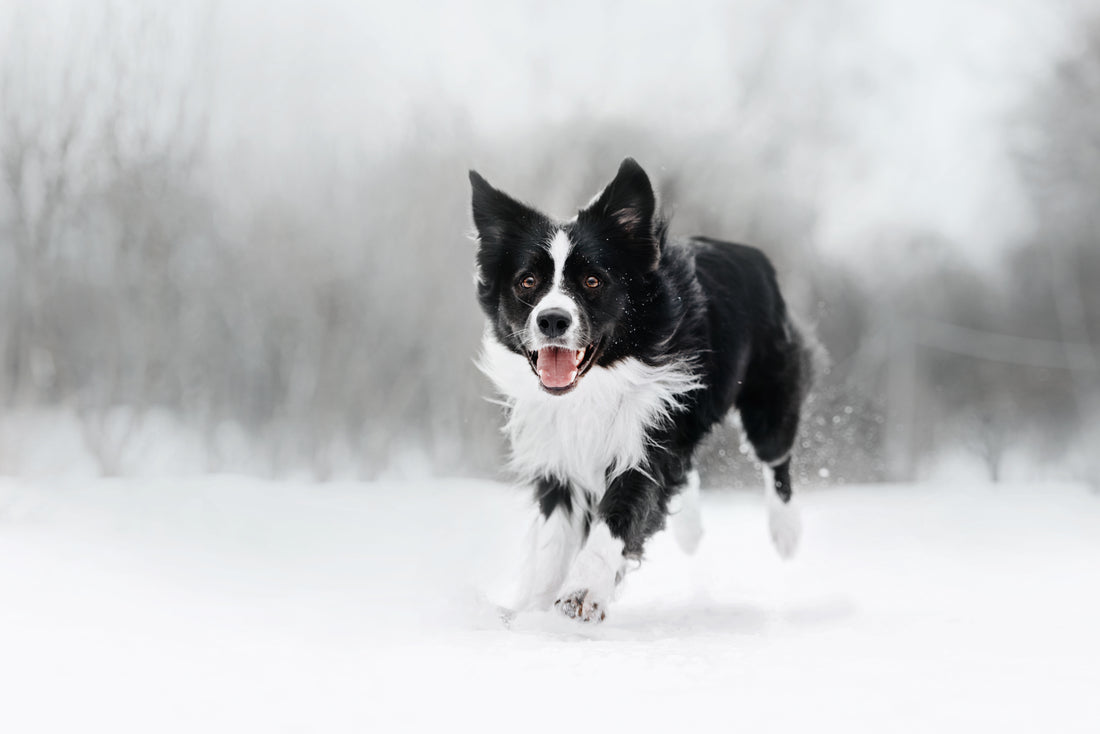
pixel 591 580
pixel 632 509
pixel 552 544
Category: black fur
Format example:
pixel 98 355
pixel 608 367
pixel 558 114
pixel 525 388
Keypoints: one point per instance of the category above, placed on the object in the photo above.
pixel 712 303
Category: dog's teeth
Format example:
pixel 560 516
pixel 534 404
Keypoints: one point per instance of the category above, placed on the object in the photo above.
pixel 572 375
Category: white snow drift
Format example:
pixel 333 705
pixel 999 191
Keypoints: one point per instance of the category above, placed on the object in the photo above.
pixel 228 604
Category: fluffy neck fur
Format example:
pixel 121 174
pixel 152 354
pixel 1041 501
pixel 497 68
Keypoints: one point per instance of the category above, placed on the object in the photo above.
pixel 594 433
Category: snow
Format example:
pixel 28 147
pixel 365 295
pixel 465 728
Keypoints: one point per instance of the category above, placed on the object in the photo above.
pixel 233 604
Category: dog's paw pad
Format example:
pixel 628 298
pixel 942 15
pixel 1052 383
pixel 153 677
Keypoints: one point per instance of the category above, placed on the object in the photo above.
pixel 578 606
pixel 785 528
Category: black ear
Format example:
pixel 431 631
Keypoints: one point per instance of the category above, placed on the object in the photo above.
pixel 627 202
pixel 625 210
pixel 497 215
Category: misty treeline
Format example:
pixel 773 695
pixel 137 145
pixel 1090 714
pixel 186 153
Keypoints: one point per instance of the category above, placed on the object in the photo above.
pixel 326 322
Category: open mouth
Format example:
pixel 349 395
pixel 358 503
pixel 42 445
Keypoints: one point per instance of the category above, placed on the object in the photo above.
pixel 559 369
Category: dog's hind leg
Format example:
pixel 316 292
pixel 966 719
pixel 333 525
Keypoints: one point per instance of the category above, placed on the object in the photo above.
pixel 771 431
pixel 770 408
pixel 553 541
pixel 784 520
pixel 684 515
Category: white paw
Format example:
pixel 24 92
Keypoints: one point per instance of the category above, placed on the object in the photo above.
pixel 785 527
pixel 592 578
pixel 581 606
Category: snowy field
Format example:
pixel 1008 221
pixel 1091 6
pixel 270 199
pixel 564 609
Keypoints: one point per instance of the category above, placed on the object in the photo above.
pixel 230 604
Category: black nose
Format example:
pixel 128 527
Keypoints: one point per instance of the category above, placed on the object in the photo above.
pixel 554 322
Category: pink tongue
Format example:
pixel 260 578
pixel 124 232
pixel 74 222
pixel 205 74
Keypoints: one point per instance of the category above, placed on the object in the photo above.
pixel 556 367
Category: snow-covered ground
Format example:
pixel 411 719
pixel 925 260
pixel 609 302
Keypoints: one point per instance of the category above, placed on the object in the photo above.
pixel 230 604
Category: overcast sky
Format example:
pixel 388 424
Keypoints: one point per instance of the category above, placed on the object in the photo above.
pixel 922 94
pixel 907 108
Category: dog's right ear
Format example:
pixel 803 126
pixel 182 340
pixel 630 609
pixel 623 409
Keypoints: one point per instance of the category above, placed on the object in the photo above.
pixel 498 216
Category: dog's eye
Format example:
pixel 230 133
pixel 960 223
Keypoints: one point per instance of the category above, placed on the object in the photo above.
pixel 527 282
pixel 591 282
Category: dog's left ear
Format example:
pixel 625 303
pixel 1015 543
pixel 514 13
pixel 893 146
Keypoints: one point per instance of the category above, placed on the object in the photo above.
pixel 498 216
pixel 626 206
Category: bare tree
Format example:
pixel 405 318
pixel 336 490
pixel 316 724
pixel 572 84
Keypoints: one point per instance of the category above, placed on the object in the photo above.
pixel 96 155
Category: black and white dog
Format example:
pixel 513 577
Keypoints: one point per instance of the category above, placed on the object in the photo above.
pixel 616 350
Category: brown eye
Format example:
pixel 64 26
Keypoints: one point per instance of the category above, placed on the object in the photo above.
pixel 528 282
pixel 592 282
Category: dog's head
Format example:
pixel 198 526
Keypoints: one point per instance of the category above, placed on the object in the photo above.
pixel 567 295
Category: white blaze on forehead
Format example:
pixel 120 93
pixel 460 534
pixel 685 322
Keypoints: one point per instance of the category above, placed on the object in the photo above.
pixel 559 248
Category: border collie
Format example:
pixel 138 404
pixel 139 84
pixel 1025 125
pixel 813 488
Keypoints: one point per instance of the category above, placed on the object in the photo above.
pixel 616 350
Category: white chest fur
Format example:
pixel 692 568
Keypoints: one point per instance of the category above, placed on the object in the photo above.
pixel 600 427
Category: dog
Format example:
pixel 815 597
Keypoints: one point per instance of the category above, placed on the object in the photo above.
pixel 616 349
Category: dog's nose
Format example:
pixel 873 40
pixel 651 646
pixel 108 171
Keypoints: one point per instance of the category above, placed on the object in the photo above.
pixel 553 322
